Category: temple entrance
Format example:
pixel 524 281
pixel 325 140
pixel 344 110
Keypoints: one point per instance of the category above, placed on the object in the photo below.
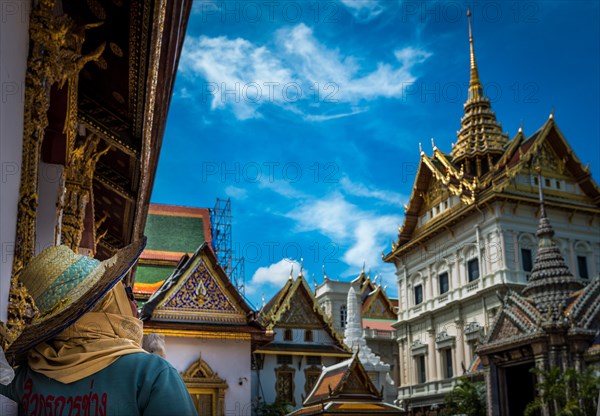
pixel 206 388
pixel 519 389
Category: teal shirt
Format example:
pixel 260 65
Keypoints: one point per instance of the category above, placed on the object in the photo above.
pixel 135 384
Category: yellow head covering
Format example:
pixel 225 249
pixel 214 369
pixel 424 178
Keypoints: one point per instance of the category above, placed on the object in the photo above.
pixel 92 343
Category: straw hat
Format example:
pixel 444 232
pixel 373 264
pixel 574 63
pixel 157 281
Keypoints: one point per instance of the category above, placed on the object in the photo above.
pixel 64 286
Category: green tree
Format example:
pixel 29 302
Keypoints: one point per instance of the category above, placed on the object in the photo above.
pixel 568 393
pixel 277 408
pixel 466 398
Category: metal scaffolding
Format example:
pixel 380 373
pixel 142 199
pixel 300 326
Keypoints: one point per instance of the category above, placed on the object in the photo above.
pixel 220 224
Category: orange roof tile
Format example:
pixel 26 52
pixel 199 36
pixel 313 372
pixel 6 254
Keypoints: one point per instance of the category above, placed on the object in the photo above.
pixel 380 325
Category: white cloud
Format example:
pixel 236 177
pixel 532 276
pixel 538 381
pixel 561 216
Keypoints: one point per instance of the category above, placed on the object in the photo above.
pixel 236 192
pixel 320 117
pixel 236 72
pixel 274 275
pixel 329 216
pixel 281 187
pixel 298 73
pixel 368 233
pixel 364 10
pixel 369 239
pixel 360 190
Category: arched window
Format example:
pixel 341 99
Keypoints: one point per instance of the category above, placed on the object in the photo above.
pixel 583 252
pixel 288 335
pixel 527 246
pixel 343 315
pixel 308 336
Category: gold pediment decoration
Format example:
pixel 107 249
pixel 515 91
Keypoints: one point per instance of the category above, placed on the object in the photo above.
pixel 353 384
pixel 200 370
pixel 378 306
pixel 504 329
pixel 202 293
pixel 295 306
pixel 300 314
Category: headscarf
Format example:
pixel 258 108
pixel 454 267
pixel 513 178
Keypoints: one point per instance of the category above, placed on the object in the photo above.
pixel 92 343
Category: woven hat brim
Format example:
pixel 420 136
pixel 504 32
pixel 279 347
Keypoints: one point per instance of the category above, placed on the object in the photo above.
pixel 42 329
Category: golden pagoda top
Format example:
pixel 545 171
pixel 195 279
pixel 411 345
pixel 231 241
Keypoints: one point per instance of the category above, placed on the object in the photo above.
pixel 480 140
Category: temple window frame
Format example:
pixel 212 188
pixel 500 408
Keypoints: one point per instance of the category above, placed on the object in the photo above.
pixel 473 272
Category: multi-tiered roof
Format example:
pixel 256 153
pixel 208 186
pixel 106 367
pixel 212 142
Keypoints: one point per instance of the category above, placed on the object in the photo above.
pixel 482 167
pixel 553 308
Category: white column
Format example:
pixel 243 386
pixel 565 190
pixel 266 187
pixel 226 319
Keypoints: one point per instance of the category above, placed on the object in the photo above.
pixel 460 346
pixel 431 357
pixel 405 294
pixel 457 279
pixel 440 371
pixel 428 285
pixel 516 250
pixel 502 249
pixel 410 364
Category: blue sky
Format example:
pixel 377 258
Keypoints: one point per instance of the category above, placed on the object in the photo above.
pixel 309 115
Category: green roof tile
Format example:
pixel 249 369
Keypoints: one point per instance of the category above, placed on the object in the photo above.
pixel 152 274
pixel 172 233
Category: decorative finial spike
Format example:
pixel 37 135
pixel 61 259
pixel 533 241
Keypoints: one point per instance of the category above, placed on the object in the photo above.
pixel 433 144
pixel 551 113
pixel 541 193
pixel 521 127
pixel 475 87
pixel 420 148
pixel 292 273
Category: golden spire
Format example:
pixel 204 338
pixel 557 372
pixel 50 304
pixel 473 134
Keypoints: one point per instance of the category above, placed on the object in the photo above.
pixel 480 140
pixel 475 87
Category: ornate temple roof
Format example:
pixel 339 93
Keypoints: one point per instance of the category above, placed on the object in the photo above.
pixel 198 296
pixel 295 306
pixel 377 305
pixel 482 168
pixel 552 300
pixel 438 180
pixel 345 388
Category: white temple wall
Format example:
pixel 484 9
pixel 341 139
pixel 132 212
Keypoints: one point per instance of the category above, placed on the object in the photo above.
pixel 230 358
pixel 268 377
pixel 14 46
pixel 496 236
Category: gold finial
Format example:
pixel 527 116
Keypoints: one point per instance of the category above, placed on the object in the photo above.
pixel 475 87
pixel 521 127
pixel 292 273
pixel 420 148
pixel 433 144
pixel 551 113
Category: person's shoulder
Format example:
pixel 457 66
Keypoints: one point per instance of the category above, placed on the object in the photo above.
pixel 145 360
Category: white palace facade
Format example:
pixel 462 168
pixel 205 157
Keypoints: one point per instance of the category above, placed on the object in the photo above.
pixel 469 236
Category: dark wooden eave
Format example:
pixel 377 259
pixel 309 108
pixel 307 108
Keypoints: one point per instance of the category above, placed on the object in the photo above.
pixel 124 98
